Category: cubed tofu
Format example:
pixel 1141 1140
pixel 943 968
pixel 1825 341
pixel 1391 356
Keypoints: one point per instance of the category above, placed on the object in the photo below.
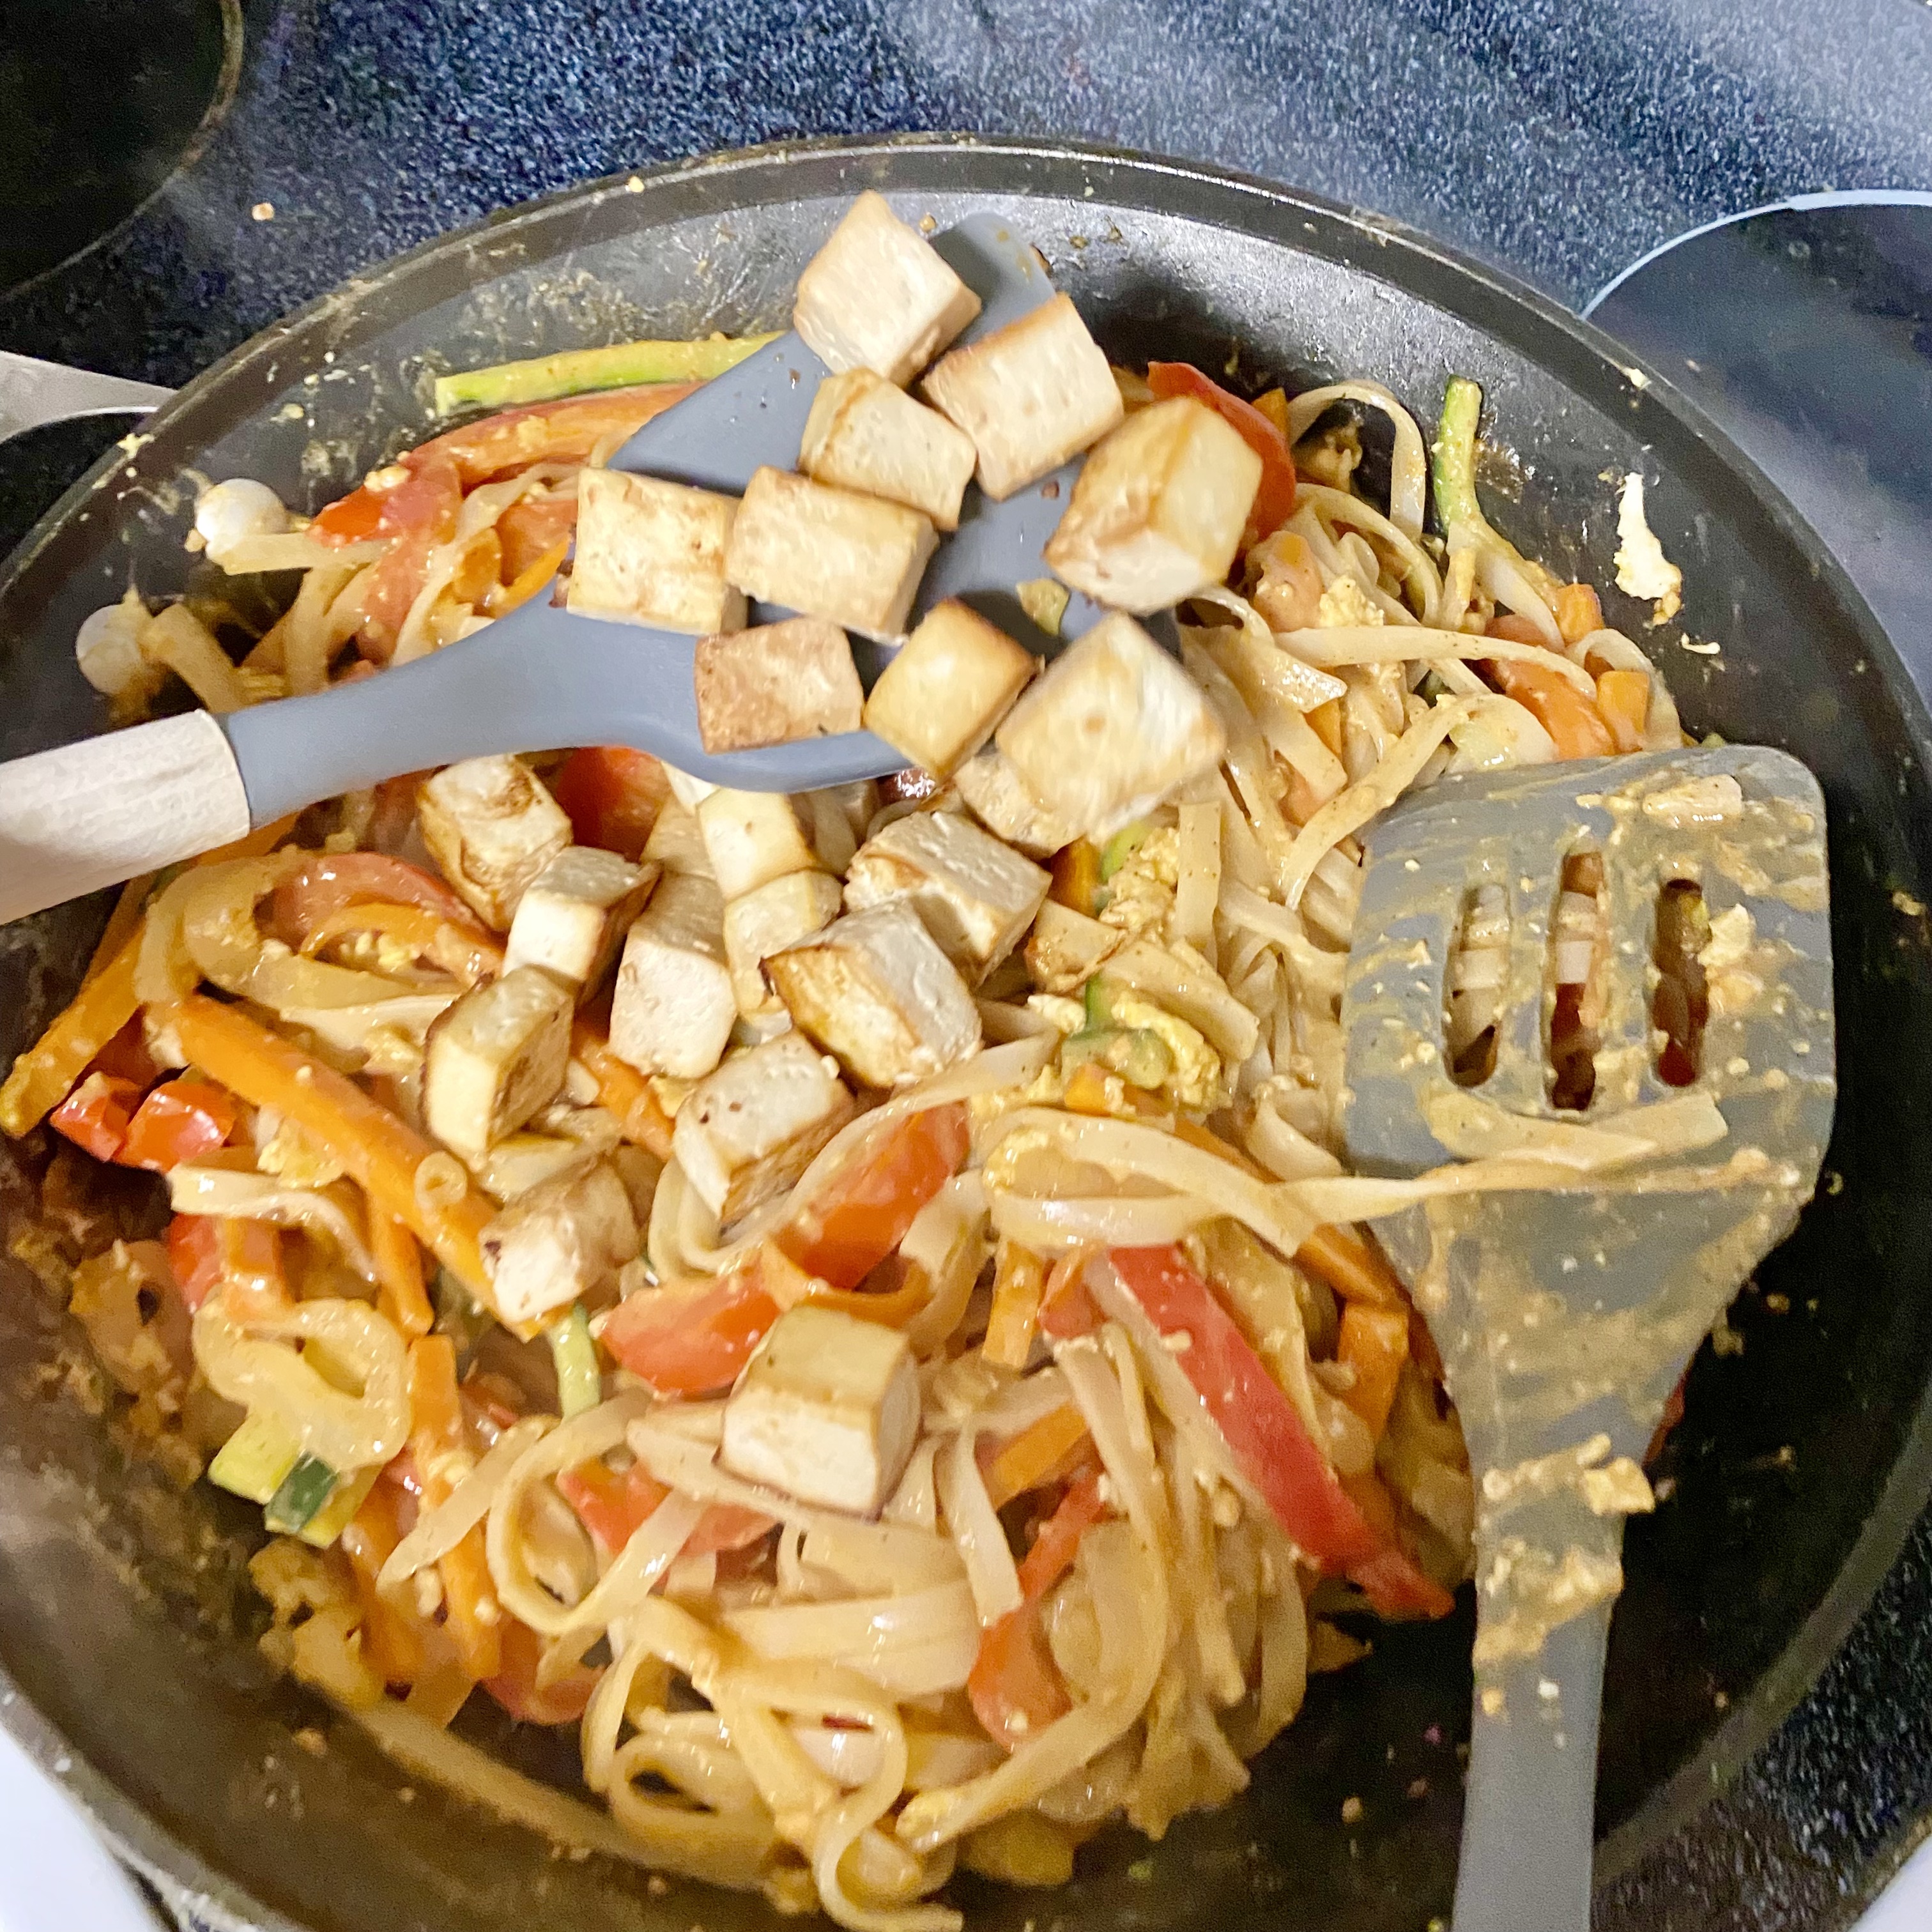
pixel 650 552
pixel 864 434
pixel 770 685
pixel 781 913
pixel 975 895
pixel 492 827
pixel 1159 508
pixel 564 1239
pixel 1031 395
pixel 673 1012
pixel 574 913
pixel 878 296
pixel 1113 727
pixel 826 1410
pixel 1066 948
pixel 747 1132
pixel 874 988
pixel 754 836
pixel 676 844
pixel 953 680
pixel 1002 802
pixel 853 560
pixel 497 1055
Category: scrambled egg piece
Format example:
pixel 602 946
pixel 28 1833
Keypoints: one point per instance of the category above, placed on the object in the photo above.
pixel 1345 603
pixel 1197 1082
pixel 1643 568
pixel 293 1156
pixel 1140 895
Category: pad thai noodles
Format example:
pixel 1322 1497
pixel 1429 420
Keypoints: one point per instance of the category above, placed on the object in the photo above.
pixel 851 1304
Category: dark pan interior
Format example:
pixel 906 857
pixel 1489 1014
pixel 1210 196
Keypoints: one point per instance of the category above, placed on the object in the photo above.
pixel 124 1623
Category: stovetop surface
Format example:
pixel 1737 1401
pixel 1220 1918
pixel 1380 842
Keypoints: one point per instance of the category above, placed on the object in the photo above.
pixel 1559 138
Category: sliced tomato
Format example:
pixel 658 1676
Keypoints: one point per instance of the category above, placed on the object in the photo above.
pixel 1066 1308
pixel 180 1121
pixel 689 1341
pixel 126 1056
pixel 96 1114
pixel 330 882
pixel 612 796
pixel 614 1507
pixel 1398 1589
pixel 567 430
pixel 352 519
pixel 531 528
pixel 1014 1687
pixel 514 1686
pixel 1054 1548
pixel 1274 500
pixel 862 1213
pixel 242 1258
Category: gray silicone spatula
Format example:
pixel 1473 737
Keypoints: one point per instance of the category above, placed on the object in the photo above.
pixel 93 814
pixel 1565 1317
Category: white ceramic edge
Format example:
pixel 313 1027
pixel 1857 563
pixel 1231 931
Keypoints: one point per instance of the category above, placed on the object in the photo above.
pixel 59 1876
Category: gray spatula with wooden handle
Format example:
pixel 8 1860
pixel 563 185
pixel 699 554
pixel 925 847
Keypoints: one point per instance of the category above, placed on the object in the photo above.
pixel 1566 1313
pixel 92 814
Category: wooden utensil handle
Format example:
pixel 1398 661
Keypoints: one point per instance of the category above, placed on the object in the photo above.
pixel 93 814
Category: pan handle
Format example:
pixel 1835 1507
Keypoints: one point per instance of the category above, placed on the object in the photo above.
pixel 33 392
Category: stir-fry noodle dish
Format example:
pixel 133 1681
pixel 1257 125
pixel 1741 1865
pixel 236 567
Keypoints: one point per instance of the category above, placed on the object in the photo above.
pixel 844 1305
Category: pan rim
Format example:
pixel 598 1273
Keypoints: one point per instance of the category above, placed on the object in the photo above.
pixel 1582 357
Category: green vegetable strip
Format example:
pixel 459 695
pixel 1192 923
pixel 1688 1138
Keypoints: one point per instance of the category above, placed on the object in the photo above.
pixel 545 378
pixel 304 1491
pixel 1122 847
pixel 1453 471
pixel 580 1380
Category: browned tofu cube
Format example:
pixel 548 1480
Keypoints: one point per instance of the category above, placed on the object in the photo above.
pixel 878 296
pixel 863 434
pixel 853 560
pixel 1158 511
pixel 1031 395
pixel 649 552
pixel 1113 727
pixel 874 988
pixel 953 681
pixel 768 686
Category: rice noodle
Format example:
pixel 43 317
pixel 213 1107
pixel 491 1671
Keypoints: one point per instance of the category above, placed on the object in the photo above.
pixel 224 1192
pixel 1409 472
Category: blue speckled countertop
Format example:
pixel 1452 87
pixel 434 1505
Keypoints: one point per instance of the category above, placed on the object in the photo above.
pixel 1559 138
pixel 1562 140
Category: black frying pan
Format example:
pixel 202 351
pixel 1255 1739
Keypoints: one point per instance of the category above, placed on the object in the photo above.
pixel 125 1623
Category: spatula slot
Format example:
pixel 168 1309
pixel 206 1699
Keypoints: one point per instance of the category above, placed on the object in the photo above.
pixel 1680 1004
pixel 1576 980
pixel 1473 987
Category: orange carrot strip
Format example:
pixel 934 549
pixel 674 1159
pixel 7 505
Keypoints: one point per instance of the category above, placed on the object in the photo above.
pixel 1623 697
pixel 440 1443
pixel 1356 1271
pixel 1040 1453
pixel 621 1088
pixel 380 1152
pixel 399 1271
pixel 42 1076
pixel 1374 1344
pixel 1019 1279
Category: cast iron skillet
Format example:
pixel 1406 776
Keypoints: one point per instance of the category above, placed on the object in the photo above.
pixel 126 1652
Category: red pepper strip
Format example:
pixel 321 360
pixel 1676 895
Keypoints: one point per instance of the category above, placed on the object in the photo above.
pixel 180 1121
pixel 614 1507
pixel 1014 1687
pixel 862 1213
pixel 689 1341
pixel 1274 500
pixel 1266 1437
pixel 96 1114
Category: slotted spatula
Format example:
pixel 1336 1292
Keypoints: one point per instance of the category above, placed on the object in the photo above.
pixel 92 814
pixel 1565 1317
